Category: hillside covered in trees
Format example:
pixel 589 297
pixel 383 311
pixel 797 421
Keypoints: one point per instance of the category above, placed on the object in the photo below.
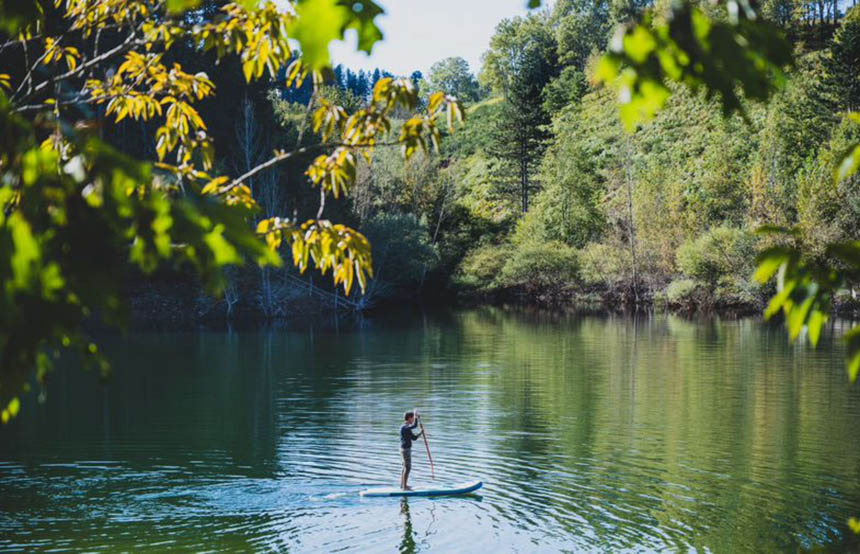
pixel 667 213
pixel 545 197
pixel 542 196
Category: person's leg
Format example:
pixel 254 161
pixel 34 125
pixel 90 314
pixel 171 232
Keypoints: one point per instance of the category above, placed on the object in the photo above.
pixel 402 469
pixel 407 467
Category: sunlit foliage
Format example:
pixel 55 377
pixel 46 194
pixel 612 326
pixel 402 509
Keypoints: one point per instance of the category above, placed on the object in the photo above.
pixel 76 212
pixel 734 49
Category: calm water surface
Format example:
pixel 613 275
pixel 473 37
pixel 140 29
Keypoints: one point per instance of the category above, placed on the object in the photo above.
pixel 590 433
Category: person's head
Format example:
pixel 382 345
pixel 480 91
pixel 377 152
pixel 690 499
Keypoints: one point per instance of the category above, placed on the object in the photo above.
pixel 409 417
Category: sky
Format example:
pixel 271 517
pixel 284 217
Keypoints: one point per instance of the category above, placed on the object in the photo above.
pixel 419 33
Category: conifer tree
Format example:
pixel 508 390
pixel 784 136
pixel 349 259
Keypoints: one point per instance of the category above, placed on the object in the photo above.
pixel 522 60
pixel 845 61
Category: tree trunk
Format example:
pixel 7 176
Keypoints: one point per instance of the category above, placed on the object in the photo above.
pixel 231 290
pixel 628 176
pixel 252 145
pixel 524 176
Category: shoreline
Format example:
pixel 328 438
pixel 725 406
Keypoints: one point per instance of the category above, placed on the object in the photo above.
pixel 181 311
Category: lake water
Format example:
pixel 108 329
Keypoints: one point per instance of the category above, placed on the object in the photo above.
pixel 593 433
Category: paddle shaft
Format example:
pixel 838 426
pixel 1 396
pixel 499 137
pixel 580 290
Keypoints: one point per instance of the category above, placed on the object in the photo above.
pixel 427 445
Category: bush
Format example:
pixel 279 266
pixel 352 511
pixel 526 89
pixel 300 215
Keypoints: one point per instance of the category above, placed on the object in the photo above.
pixel 604 264
pixel 721 252
pixel 682 292
pixel 402 253
pixel 541 266
pixel 686 294
pixel 690 294
pixel 481 267
pixel 740 294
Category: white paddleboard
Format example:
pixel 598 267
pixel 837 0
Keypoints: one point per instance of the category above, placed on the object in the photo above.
pixel 460 488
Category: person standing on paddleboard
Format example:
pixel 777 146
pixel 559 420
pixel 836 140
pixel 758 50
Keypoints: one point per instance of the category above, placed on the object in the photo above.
pixel 407 435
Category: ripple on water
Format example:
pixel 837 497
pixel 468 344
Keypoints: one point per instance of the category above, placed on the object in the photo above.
pixel 590 434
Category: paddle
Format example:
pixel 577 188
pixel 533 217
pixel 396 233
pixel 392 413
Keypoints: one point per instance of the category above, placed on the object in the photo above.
pixel 426 444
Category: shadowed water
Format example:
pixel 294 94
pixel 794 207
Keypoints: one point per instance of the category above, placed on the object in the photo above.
pixel 590 434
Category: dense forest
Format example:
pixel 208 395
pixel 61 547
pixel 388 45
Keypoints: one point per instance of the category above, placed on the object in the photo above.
pixel 542 196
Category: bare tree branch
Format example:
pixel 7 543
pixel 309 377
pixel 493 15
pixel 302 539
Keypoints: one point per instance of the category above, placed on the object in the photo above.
pixel 128 42
pixel 44 106
pixel 16 41
pixel 278 158
pixel 322 203
pixel 281 156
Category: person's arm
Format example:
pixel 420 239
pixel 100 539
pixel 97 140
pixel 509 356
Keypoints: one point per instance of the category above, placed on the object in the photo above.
pixel 414 426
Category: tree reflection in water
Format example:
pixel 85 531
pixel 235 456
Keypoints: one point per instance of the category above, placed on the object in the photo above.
pixel 407 545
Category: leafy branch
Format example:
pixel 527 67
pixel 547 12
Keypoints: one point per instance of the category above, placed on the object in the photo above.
pixel 74 212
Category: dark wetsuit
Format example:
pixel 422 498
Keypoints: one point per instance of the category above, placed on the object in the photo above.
pixel 406 435
pixel 406 438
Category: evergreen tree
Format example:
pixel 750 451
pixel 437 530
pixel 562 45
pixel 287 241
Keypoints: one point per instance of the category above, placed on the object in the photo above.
pixel 338 76
pixel 522 60
pixel 351 81
pixel 362 85
pixel 565 89
pixel 416 77
pixel 845 61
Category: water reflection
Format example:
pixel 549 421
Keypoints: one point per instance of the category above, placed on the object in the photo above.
pixel 590 433
pixel 407 545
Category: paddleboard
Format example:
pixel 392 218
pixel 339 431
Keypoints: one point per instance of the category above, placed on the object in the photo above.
pixel 461 488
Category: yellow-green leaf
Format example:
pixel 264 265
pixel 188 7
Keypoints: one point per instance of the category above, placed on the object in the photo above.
pixel 816 321
pixel 179 6
pixel 850 164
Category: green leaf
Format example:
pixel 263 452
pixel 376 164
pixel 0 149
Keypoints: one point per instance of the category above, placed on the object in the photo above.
pixel 769 263
pixel 363 13
pixel 26 251
pixel 223 251
pixel 38 163
pixel 850 164
pixel 797 316
pixel 178 6
pixel 852 343
pixel 607 69
pixel 639 44
pixel 532 4
pixel 14 406
pixel 11 410
pixel 816 321
pixel 52 280
pixel 779 299
pixel 317 23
